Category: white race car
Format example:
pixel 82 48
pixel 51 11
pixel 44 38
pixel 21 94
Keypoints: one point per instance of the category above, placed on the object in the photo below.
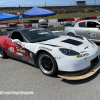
pixel 66 23
pixel 48 51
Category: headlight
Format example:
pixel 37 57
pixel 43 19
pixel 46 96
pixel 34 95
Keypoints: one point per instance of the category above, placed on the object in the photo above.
pixel 68 52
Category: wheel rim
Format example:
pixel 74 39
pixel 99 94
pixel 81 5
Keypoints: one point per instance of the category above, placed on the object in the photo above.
pixel 1 52
pixel 46 64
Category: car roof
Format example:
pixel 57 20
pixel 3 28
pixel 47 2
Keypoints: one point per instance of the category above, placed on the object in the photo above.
pixel 87 20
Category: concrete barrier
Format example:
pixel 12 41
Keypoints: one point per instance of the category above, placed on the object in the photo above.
pixel 52 20
pixel 98 17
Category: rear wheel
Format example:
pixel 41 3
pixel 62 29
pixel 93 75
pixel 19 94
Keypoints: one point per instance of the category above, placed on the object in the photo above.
pixel 2 52
pixel 47 64
pixel 70 34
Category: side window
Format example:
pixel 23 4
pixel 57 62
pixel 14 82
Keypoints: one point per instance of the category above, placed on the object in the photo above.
pixel 92 24
pixel 2 32
pixel 82 24
pixel 73 25
pixel 17 35
pixel 9 34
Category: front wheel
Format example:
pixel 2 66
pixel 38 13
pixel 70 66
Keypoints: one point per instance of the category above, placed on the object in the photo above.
pixel 2 52
pixel 47 64
pixel 70 34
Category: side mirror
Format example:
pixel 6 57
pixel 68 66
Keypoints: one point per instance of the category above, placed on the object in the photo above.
pixel 97 26
pixel 17 41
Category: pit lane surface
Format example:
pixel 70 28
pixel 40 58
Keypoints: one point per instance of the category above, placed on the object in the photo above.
pixel 19 76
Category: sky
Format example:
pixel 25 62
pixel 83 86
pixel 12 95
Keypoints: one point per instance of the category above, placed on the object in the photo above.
pixel 42 2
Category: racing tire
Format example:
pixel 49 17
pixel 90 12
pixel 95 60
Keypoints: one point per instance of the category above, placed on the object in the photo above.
pixel 2 52
pixel 47 64
pixel 70 34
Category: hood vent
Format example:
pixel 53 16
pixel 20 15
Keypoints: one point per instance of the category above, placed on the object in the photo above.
pixel 73 42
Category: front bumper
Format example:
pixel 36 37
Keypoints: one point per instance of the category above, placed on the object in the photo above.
pixel 81 74
pixel 74 65
pixel 45 26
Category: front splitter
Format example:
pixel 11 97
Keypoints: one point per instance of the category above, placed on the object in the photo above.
pixel 86 75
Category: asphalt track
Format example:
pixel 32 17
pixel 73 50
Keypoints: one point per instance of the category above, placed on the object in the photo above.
pixel 20 76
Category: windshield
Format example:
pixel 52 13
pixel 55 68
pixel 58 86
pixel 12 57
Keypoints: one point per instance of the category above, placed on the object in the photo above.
pixel 26 22
pixel 12 25
pixel 43 22
pixel 38 34
pixel 73 25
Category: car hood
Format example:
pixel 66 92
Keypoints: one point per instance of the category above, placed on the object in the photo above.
pixel 69 43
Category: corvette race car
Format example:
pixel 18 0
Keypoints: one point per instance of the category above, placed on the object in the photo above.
pixel 48 51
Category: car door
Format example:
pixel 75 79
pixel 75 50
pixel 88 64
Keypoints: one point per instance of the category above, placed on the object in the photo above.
pixel 92 32
pixel 80 30
pixel 15 46
pixel 10 47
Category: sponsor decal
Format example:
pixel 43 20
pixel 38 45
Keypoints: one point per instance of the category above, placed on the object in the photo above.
pixel 83 51
pixel 31 55
pixel 82 55
pixel 35 29
pixel 85 58
pixel 11 49
pixel 19 54
pixel 21 50
pixel 25 56
pixel 76 56
pixel 91 34
pixel 23 45
pixel 45 48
